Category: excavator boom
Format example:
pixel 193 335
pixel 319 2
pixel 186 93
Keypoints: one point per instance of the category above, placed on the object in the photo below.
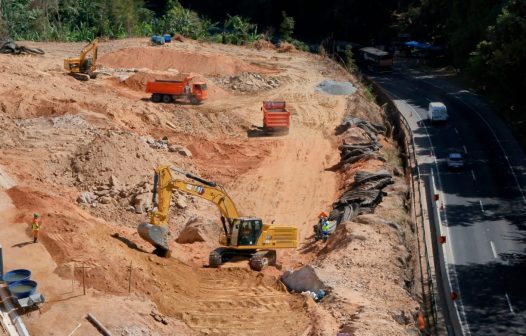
pixel 156 232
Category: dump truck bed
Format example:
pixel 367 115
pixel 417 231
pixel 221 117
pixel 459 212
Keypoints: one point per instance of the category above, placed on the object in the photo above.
pixel 276 117
pixel 166 87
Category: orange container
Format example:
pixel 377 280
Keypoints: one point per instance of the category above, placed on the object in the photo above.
pixel 276 118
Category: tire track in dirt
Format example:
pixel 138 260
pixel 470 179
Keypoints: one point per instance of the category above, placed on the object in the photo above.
pixel 291 186
pixel 238 306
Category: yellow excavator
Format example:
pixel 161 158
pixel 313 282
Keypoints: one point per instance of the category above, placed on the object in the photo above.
pixel 83 67
pixel 243 236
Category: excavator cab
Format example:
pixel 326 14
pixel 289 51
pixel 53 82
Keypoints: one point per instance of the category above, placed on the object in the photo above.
pixel 246 231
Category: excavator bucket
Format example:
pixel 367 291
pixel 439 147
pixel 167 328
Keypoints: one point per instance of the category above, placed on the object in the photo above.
pixel 157 236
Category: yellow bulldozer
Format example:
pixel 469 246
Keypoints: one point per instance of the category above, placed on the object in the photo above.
pixel 242 236
pixel 83 67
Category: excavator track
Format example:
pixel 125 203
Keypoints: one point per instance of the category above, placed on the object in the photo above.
pixel 80 76
pixel 262 259
pixel 215 258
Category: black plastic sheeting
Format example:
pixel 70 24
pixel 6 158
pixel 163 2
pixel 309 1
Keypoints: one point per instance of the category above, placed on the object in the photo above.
pixel 10 47
pixel 366 192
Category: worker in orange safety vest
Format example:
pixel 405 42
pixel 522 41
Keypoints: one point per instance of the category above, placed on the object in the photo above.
pixel 35 226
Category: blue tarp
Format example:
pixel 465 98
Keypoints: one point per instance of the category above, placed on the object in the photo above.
pixel 422 45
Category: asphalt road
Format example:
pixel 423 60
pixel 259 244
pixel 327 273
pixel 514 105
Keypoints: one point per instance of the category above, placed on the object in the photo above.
pixel 484 215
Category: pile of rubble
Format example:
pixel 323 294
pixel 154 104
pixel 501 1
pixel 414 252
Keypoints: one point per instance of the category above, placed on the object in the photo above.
pixel 136 198
pixel 248 82
pixel 165 144
pixel 116 168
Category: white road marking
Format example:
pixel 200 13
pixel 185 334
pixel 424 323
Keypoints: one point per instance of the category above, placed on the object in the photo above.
pixel 456 130
pixel 493 249
pixel 459 305
pixel 494 135
pixel 501 148
pixel 509 303
pixel 481 206
pixel 465 149
pixel 473 174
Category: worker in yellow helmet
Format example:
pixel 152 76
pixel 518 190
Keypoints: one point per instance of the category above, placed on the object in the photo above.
pixel 35 226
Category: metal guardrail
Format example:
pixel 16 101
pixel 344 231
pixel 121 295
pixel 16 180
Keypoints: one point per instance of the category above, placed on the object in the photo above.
pixel 404 135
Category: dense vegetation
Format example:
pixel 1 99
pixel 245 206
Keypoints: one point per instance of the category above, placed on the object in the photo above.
pixel 486 39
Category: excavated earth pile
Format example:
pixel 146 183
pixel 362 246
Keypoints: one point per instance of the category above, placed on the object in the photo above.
pixel 82 154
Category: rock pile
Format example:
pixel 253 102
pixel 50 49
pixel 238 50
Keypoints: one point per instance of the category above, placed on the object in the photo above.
pixel 248 82
pixel 164 144
pixel 137 198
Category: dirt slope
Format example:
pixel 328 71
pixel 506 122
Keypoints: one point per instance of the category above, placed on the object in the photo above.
pixel 60 137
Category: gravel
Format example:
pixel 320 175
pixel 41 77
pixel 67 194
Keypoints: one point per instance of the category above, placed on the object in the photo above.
pixel 336 88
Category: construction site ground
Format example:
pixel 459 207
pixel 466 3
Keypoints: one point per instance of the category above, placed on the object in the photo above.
pixel 60 137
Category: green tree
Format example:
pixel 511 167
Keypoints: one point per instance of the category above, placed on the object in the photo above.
pixel 286 27
pixel 239 30
pixel 349 59
pixel 499 63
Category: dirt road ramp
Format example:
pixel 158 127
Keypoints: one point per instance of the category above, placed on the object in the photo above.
pixel 138 81
pixel 168 58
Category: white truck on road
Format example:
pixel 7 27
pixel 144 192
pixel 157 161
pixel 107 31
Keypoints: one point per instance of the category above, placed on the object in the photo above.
pixel 437 112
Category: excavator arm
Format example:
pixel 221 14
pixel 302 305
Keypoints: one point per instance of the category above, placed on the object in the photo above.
pixel 93 46
pixel 81 67
pixel 155 232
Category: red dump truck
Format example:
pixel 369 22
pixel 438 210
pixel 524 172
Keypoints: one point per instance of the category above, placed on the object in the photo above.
pixel 167 91
pixel 276 118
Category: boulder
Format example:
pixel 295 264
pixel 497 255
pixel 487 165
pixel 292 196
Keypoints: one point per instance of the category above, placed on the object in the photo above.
pixel 105 200
pixel 142 202
pixel 302 280
pixel 198 229
pixel 86 197
pixel 180 149
pixel 102 193
pixel 115 183
pixel 180 202
pixel 6 181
